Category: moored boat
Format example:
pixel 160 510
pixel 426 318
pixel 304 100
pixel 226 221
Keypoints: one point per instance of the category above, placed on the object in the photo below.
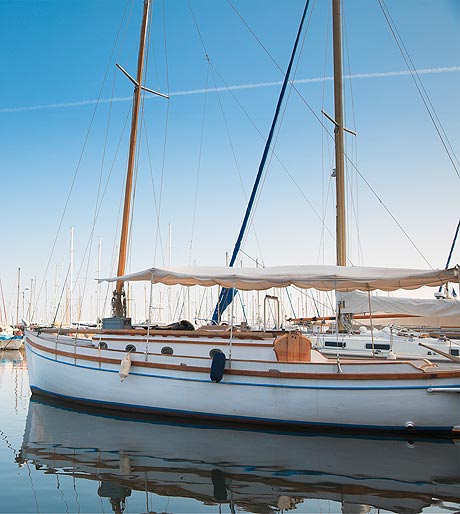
pixel 249 377
pixel 10 338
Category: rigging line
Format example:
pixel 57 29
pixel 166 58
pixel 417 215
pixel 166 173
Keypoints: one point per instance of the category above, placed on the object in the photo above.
pixel 136 167
pixel 165 139
pixel 273 146
pixel 224 293
pixel 258 39
pixel 321 248
pixel 64 285
pixel 26 462
pixel 279 67
pixel 388 212
pixel 453 245
pixel 81 156
pixel 165 49
pixel 325 142
pixel 271 154
pixel 297 289
pixel 320 218
pixel 290 303
pixel 91 236
pixel 198 167
pixel 58 486
pixel 7 442
pixel 348 159
pixel 420 88
pixel 355 197
pixel 156 201
pixel 135 175
pixel 3 304
pixel 202 125
pixel 87 252
pixel 198 31
pixel 427 97
pixel 77 501
pixel 451 250
pixel 233 153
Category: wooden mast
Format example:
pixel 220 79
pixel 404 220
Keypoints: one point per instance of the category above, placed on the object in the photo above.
pixel 339 148
pixel 341 246
pixel 118 300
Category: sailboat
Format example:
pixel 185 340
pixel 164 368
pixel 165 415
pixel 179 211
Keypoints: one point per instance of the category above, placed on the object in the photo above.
pixel 249 470
pixel 10 338
pixel 243 376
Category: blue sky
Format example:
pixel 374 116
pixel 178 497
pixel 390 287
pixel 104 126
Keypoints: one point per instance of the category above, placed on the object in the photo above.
pixel 56 54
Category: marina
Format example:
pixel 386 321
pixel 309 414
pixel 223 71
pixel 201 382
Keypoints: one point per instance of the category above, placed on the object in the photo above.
pixel 270 379
pixel 58 458
pixel 151 361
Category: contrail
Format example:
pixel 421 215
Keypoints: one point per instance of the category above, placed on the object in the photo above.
pixel 385 74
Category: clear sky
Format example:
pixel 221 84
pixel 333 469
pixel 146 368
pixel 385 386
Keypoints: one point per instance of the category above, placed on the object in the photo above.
pixel 62 149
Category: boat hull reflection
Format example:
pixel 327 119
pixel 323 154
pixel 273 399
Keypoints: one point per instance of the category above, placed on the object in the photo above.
pixel 256 470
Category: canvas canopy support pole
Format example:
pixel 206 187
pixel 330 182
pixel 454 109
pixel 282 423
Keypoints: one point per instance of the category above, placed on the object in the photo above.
pixel 231 336
pixel 451 251
pixel 149 320
pixel 372 324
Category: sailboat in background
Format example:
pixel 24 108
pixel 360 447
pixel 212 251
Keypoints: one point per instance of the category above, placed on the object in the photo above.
pixel 246 376
pixel 11 338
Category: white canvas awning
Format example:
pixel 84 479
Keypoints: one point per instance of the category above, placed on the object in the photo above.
pixel 356 302
pixel 324 278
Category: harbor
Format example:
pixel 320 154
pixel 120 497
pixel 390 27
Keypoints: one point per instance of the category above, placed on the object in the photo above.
pixel 236 290
pixel 58 458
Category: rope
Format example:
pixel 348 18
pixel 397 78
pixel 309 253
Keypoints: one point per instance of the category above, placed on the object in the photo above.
pixel 421 89
pixel 69 194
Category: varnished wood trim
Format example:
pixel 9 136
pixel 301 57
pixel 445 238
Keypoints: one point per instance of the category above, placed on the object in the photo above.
pixel 260 336
pixel 155 339
pixel 272 374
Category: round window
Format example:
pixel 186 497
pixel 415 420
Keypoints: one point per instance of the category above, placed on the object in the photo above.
pixel 130 348
pixel 167 350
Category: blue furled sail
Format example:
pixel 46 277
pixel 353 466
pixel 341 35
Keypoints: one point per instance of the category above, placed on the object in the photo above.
pixel 226 295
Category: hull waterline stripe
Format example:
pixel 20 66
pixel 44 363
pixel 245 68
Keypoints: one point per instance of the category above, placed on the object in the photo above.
pixel 247 419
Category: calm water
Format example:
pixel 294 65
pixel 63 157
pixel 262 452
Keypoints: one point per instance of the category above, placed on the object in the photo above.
pixel 54 458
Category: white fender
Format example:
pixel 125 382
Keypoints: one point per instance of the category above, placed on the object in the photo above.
pixel 125 367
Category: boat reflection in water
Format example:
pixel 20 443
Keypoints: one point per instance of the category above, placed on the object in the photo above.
pixel 254 471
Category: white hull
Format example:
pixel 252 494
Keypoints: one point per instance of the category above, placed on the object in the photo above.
pixel 249 468
pixel 377 395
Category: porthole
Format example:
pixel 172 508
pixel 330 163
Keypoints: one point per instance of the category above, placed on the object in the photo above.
pixel 130 348
pixel 214 351
pixel 167 350
pixel 102 346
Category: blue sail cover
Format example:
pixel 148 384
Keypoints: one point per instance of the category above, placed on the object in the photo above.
pixel 225 299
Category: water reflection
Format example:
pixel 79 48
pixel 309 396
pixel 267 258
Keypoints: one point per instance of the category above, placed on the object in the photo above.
pixel 254 471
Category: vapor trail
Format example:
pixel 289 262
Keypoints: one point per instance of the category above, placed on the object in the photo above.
pixel 258 85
